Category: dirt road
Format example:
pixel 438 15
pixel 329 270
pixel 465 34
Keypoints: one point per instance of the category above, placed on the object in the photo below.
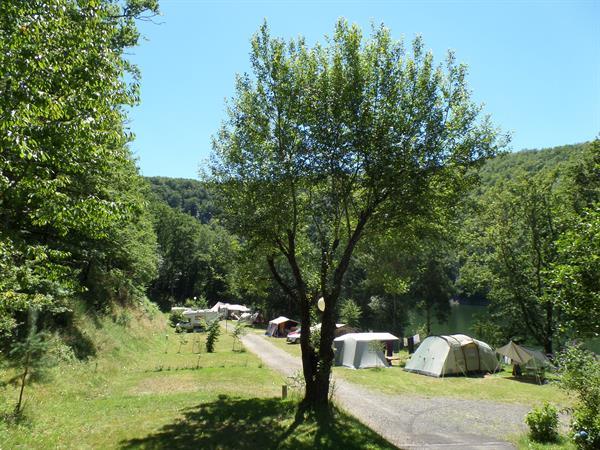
pixel 408 421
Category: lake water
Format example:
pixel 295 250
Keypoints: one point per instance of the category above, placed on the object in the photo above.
pixel 461 320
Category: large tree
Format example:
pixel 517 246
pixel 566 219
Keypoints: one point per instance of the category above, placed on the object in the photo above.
pixel 328 145
pixel 71 202
pixel 575 277
pixel 512 246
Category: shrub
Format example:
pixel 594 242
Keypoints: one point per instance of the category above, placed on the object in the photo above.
pixel 350 313
pixel 197 302
pixel 580 373
pixel 175 317
pixel 214 330
pixel 543 423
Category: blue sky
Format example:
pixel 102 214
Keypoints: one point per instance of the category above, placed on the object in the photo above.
pixel 534 64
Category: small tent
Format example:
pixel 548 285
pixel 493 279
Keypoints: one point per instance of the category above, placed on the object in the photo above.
pixel 361 350
pixel 280 326
pixel 457 354
pixel 525 356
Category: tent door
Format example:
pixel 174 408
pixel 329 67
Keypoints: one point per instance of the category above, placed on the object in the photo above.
pixel 471 352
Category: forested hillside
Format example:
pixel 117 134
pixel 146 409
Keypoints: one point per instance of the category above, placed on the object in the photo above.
pixel 189 196
pixel 389 277
pixel 509 165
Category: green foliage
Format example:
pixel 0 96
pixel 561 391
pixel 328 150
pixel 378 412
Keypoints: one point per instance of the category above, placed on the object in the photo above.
pixel 580 375
pixel 175 317
pixel 213 332
pixel 511 247
pixel 239 331
pixel 350 313
pixel 195 259
pixel 543 423
pixel 324 143
pixel 488 331
pixel 71 201
pixel 576 273
pixel 197 302
pixel 531 243
pixel 188 196
pixel 29 358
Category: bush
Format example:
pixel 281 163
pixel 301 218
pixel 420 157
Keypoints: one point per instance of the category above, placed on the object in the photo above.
pixel 585 427
pixel 350 313
pixel 543 423
pixel 175 317
pixel 580 373
pixel 214 330
pixel 197 302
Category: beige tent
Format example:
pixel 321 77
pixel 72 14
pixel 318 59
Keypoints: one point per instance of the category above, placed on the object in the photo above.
pixel 457 354
pixel 280 326
pixel 361 350
pixel 524 356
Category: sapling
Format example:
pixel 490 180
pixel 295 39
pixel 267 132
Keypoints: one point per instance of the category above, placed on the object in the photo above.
pixel 214 329
pixel 182 341
pixel 238 332
pixel 30 359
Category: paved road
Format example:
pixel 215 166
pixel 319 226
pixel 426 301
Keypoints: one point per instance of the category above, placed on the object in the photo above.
pixel 412 422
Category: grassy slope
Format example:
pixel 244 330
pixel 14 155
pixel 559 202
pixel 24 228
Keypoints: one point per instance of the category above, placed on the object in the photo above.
pixel 136 395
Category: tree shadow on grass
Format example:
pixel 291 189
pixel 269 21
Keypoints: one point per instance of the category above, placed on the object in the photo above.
pixel 258 423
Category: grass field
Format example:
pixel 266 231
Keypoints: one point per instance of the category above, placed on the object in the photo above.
pixel 148 389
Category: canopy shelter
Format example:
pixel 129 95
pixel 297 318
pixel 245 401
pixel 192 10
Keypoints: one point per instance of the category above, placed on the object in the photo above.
pixel 361 350
pixel 457 354
pixel 280 326
pixel 527 357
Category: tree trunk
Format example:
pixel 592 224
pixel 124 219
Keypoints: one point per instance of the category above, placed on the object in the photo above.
pixel 549 329
pixel 23 381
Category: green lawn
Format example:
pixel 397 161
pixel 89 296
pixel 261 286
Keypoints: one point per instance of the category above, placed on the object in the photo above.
pixel 499 387
pixel 147 389
pixel 292 349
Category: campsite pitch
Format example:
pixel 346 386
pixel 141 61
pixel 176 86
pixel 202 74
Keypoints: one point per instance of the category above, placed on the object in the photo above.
pixel 414 417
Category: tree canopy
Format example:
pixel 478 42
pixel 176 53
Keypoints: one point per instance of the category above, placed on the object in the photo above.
pixel 324 145
pixel 71 201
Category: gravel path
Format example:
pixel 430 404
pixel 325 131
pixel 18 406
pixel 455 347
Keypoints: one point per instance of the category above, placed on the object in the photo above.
pixel 408 421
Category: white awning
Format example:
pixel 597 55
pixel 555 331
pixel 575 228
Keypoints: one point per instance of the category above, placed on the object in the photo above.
pixel 367 337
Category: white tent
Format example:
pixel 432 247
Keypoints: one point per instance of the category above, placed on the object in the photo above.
pixel 361 350
pixel 457 354
pixel 278 327
pixel 227 309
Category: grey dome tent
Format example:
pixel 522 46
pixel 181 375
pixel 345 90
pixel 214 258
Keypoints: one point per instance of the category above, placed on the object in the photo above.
pixel 457 354
pixel 361 350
